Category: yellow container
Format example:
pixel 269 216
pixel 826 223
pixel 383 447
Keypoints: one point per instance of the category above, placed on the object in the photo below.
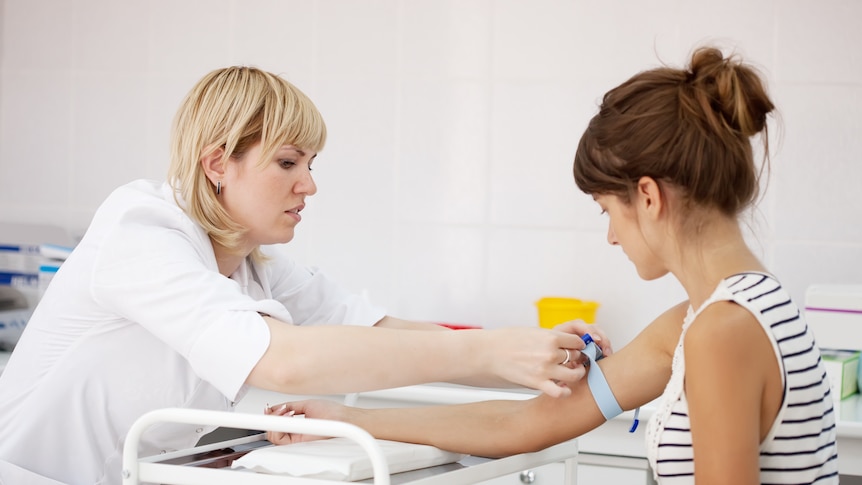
pixel 556 310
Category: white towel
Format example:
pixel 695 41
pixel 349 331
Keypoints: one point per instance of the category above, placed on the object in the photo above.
pixel 341 459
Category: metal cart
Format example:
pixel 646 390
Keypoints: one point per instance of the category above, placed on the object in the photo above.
pixel 209 464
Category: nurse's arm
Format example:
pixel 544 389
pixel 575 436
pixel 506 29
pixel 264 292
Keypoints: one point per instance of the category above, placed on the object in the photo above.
pixel 392 322
pixel 579 328
pixel 335 359
pixel 637 374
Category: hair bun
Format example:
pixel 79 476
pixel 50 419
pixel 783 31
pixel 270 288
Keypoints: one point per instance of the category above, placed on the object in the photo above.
pixel 726 87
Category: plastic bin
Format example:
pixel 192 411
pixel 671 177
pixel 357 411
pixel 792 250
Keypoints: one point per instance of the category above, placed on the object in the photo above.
pixel 554 310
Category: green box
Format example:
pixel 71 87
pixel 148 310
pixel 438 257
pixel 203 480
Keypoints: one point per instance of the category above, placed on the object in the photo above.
pixel 842 368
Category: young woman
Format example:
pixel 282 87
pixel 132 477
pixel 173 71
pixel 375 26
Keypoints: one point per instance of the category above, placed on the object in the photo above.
pixel 744 396
pixel 174 298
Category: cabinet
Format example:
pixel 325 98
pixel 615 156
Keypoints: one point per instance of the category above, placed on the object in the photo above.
pixel 551 474
pixel 596 474
pixel 601 469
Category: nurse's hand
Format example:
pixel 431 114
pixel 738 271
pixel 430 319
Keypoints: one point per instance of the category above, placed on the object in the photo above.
pixel 538 358
pixel 317 409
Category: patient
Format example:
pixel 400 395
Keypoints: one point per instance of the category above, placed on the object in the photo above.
pixel 744 396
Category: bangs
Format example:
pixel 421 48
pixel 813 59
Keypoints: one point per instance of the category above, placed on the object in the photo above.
pixel 288 117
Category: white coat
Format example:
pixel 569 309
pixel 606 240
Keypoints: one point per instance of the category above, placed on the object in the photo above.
pixel 139 318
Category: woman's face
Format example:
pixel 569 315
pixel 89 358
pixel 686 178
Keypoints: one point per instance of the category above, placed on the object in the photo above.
pixel 267 198
pixel 624 230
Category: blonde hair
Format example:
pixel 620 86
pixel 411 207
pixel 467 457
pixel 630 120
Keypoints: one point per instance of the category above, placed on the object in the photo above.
pixel 233 109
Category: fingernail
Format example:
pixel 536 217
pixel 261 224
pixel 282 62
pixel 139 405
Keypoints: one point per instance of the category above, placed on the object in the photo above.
pixel 267 409
pixel 291 413
pixel 283 407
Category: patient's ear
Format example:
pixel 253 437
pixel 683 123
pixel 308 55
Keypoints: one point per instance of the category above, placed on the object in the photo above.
pixel 649 197
pixel 212 163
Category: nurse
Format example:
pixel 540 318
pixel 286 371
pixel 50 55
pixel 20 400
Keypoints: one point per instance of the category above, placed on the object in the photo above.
pixel 177 296
pixel 744 397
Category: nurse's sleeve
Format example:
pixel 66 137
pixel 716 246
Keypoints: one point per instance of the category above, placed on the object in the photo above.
pixel 312 297
pixel 162 279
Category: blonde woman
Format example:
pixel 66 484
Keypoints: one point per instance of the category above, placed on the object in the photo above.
pixel 175 298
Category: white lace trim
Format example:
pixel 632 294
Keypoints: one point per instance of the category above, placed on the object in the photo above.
pixel 671 394
pixel 673 391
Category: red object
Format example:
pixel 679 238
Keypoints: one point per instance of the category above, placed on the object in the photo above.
pixel 457 326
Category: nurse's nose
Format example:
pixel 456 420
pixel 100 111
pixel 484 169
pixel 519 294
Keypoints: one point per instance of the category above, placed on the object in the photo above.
pixel 305 184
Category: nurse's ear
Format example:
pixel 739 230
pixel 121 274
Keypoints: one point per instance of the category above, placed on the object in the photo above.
pixel 213 163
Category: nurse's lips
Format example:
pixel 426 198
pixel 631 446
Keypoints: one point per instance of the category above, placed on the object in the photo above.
pixel 295 211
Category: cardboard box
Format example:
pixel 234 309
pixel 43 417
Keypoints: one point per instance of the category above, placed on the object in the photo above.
pixel 842 367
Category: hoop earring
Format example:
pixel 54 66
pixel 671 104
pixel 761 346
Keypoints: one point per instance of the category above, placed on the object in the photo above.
pixel 218 188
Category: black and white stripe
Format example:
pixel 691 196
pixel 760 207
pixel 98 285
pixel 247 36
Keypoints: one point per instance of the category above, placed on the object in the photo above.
pixel 801 447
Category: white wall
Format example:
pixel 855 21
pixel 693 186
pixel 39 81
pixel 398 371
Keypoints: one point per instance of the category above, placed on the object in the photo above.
pixel 445 188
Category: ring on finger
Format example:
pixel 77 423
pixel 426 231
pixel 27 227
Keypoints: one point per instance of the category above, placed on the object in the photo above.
pixel 568 357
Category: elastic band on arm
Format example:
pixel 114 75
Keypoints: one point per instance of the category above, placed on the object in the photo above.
pixel 605 399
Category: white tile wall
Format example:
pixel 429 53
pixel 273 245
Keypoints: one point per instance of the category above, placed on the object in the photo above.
pixel 445 189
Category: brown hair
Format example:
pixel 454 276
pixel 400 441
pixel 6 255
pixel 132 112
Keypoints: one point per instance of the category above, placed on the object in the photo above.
pixel 686 127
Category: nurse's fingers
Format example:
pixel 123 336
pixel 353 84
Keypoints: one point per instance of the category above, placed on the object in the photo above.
pixel 568 335
pixel 581 328
pixel 577 360
pixel 564 375
pixel 571 358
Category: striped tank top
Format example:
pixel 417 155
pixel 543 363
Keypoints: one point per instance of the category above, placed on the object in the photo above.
pixel 800 446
